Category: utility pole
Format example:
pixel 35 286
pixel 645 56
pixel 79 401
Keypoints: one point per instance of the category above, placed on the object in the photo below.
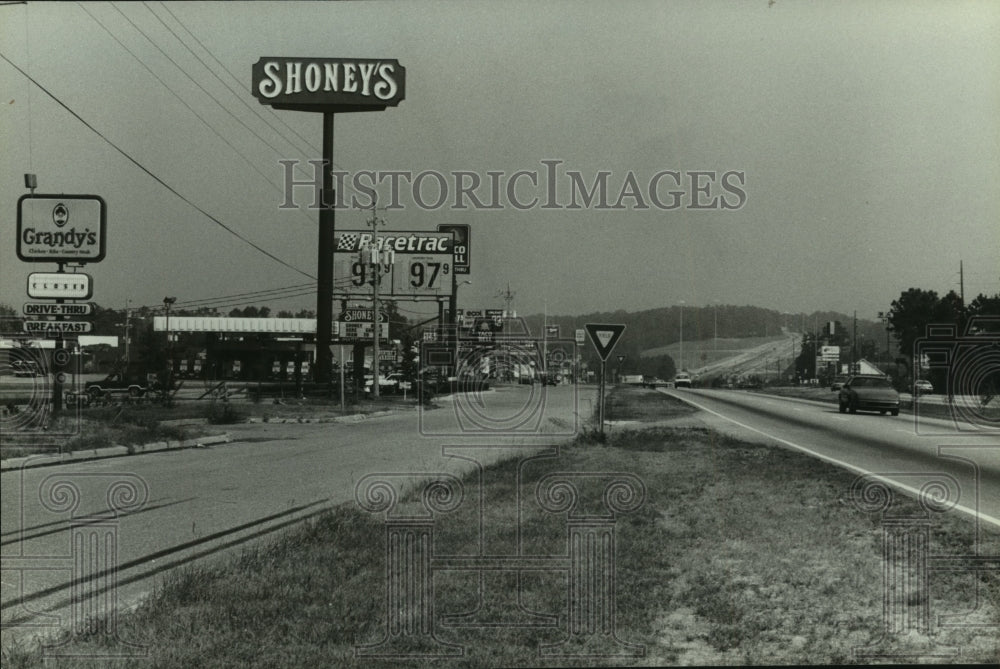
pixel 884 317
pixel 376 257
pixel 167 301
pixel 507 296
pixel 681 368
pixel 715 335
pixel 128 316
pixel 545 337
pixel 854 345
pixel 961 282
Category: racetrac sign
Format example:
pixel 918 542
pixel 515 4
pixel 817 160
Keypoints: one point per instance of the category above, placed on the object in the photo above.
pixel 352 241
pixel 344 84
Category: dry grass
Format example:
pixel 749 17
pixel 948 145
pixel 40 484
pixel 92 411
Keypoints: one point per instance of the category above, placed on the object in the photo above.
pixel 741 554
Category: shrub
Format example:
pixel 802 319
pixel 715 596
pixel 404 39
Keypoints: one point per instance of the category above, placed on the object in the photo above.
pixel 223 413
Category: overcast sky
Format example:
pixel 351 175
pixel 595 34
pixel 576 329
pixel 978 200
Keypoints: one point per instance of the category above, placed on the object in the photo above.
pixel 867 134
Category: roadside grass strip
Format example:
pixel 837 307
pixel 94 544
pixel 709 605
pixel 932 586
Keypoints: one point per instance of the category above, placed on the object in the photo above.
pixel 741 554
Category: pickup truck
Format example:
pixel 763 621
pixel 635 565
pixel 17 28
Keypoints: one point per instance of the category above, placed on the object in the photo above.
pixel 117 384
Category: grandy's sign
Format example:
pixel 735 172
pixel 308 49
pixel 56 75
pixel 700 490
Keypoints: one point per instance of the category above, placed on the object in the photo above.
pixel 339 84
pixel 61 228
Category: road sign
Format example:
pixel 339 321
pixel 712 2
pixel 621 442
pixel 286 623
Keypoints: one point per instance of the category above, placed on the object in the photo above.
pixel 50 309
pixel 621 359
pixel 60 286
pixel 61 228
pixel 54 327
pixel 604 336
pixel 581 336
pixel 361 331
pixel 461 232
pixel 360 315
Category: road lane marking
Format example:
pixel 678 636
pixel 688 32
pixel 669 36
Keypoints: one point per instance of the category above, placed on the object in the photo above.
pixel 840 463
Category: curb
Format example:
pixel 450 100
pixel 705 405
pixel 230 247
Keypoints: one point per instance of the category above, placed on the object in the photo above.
pixel 32 461
pixel 351 418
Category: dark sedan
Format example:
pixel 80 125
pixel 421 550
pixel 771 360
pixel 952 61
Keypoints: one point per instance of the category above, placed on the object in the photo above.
pixel 868 393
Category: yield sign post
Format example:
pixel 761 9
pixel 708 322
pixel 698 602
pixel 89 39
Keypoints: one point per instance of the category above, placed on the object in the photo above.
pixel 603 336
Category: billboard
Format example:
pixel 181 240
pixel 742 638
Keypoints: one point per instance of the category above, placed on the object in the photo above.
pixel 61 228
pixel 422 266
pixel 329 84
pixel 461 231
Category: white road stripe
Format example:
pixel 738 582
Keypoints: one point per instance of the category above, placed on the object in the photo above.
pixel 840 463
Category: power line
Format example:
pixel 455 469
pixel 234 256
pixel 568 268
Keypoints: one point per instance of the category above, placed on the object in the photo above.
pixel 195 82
pixel 249 162
pixel 255 293
pixel 150 173
pixel 238 95
pixel 286 292
pixel 230 73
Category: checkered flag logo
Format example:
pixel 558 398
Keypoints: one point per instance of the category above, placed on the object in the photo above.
pixel 348 241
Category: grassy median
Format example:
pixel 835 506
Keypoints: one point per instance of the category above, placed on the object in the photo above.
pixel 741 554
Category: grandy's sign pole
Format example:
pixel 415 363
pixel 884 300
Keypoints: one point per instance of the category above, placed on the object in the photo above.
pixel 327 86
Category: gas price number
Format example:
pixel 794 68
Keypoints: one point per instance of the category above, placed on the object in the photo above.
pixel 422 275
pixel 363 274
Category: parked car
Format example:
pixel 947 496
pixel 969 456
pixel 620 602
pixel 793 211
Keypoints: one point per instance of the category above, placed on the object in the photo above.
pixel 923 387
pixel 118 384
pixel 549 378
pixel 387 383
pixel 838 382
pixel 682 380
pixel 868 393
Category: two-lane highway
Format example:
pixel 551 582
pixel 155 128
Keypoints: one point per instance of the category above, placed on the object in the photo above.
pixel 176 508
pixel 909 452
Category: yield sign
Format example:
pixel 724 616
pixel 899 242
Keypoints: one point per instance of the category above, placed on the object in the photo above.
pixel 604 336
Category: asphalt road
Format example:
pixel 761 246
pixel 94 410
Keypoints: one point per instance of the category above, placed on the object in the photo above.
pixel 181 507
pixel 184 507
pixel 762 360
pixel 912 452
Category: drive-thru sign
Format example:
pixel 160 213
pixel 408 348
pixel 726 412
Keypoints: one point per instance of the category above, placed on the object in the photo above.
pixel 604 336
